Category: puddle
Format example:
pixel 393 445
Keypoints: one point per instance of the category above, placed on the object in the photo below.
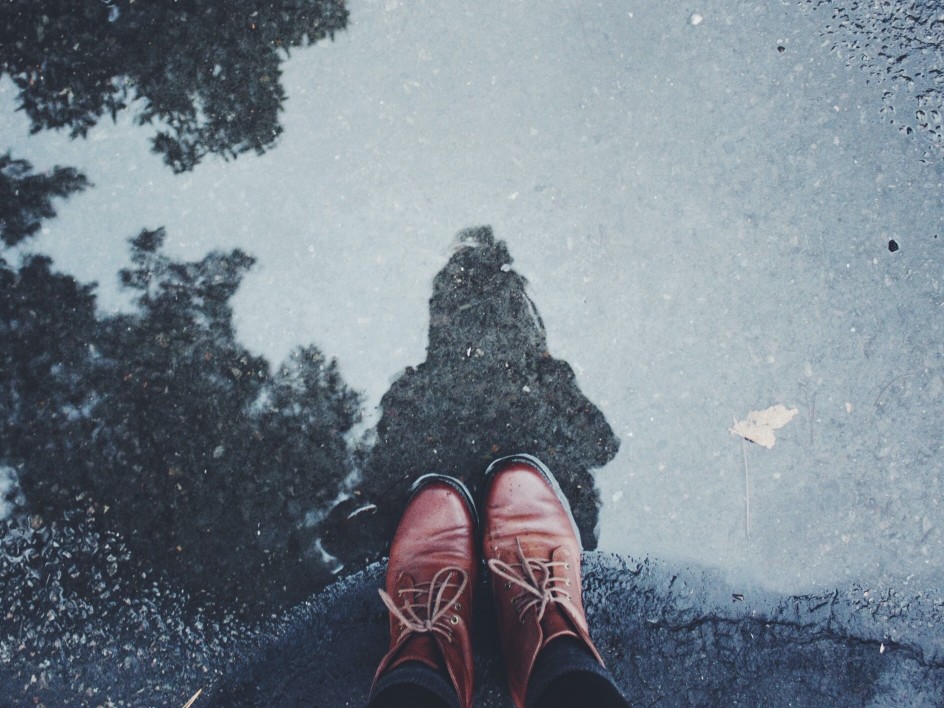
pixel 236 322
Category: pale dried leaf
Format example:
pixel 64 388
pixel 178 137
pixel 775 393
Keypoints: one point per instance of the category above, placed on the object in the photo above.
pixel 759 426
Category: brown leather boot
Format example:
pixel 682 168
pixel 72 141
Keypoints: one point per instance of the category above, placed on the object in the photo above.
pixel 533 550
pixel 431 576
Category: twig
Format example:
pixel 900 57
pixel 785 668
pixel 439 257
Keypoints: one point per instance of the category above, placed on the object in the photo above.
pixel 747 491
pixel 889 384
pixel 193 699
pixel 811 406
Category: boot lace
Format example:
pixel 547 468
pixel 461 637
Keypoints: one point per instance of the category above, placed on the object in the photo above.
pixel 539 588
pixel 426 606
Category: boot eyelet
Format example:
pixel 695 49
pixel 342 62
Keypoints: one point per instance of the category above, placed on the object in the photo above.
pixel 454 619
pixel 568 582
pixel 566 566
pixel 458 606
pixel 508 585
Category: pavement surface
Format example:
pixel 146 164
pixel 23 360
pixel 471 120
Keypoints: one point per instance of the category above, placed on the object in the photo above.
pixel 670 635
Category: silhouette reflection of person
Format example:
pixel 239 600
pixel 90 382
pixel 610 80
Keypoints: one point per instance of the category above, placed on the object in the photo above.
pixel 488 387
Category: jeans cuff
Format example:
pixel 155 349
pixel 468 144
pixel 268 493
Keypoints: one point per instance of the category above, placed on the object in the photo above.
pixel 568 655
pixel 417 675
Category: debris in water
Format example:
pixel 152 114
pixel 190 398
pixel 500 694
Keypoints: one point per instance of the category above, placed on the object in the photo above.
pixel 759 426
pixel 364 509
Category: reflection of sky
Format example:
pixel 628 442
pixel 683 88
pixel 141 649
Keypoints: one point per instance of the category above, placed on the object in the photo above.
pixel 702 218
pixel 7 487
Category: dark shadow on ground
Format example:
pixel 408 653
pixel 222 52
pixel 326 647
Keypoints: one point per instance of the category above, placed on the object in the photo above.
pixel 488 388
pixel 671 636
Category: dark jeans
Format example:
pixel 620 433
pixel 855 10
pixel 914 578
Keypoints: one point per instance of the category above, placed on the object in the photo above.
pixel 566 674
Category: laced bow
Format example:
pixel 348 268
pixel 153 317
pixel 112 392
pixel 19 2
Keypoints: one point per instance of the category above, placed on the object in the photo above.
pixel 536 593
pixel 426 605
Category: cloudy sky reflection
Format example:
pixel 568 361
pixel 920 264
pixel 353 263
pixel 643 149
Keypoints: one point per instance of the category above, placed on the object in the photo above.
pixel 702 212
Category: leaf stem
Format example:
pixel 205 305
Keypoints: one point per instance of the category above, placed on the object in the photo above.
pixel 747 491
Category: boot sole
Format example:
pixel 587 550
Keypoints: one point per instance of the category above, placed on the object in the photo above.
pixel 532 461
